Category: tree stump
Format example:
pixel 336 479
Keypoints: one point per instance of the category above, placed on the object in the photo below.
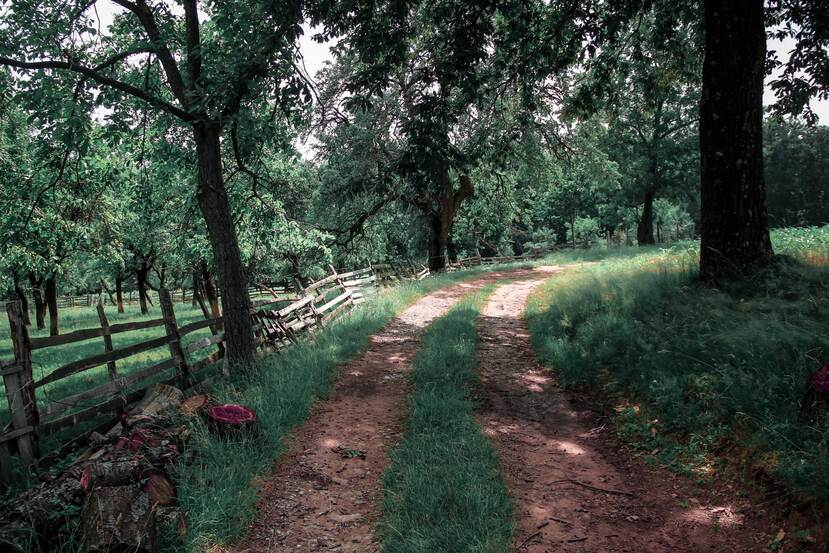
pixel 815 405
pixel 231 420
pixel 194 404
pixel 118 519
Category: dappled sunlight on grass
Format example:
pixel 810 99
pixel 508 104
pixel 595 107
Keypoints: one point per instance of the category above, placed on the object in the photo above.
pixel 712 365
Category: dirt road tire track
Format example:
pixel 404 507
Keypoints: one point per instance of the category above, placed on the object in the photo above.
pixel 556 460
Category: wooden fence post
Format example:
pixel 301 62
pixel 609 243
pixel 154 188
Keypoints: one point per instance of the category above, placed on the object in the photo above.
pixel 111 368
pixel 20 391
pixel 176 351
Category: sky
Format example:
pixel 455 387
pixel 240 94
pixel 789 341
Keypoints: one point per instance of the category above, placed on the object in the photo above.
pixel 316 54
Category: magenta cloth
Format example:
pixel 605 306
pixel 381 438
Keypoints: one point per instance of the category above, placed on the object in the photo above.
pixel 233 414
pixel 820 379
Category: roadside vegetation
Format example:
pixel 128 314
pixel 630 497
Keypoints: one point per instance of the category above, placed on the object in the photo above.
pixel 443 490
pixel 692 370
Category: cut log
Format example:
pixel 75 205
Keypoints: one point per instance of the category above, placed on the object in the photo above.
pixel 118 519
pixel 159 488
pixel 158 398
pixel 193 404
pixel 231 419
pixel 112 473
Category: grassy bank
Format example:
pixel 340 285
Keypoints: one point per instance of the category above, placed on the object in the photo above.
pixel 443 490
pixel 217 491
pixel 699 368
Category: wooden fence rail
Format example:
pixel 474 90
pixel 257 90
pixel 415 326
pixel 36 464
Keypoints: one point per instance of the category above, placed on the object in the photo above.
pixel 180 295
pixel 279 318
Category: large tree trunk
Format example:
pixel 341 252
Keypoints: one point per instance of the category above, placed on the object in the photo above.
pixel 51 283
pixel 441 222
pixel 141 275
pixel 215 208
pixel 119 292
pixel 40 304
pixel 24 301
pixel 734 222
pixel 644 230
pixel 438 234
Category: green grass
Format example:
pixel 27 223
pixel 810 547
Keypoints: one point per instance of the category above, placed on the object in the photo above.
pixel 217 491
pixel 700 368
pixel 443 489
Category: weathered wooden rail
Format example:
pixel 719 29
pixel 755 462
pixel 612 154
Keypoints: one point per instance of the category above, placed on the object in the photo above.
pixel 275 325
pixel 180 295
pixel 475 261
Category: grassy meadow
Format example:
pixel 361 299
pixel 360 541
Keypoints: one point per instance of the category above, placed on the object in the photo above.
pixel 694 372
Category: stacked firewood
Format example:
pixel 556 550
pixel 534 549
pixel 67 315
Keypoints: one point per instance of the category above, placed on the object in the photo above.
pixel 113 496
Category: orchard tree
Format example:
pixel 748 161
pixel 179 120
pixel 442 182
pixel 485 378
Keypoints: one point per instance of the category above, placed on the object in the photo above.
pixel 200 64
pixel 734 218
pixel 430 78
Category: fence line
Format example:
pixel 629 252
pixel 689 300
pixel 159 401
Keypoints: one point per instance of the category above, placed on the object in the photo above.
pixel 275 326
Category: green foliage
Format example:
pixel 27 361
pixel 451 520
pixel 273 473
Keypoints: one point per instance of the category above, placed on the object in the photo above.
pixel 443 490
pixel 796 167
pixel 707 365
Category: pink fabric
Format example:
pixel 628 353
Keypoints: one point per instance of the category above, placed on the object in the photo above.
pixel 233 414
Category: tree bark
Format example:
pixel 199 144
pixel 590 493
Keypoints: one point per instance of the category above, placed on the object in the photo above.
pixel 734 221
pixel 40 304
pixel 119 292
pixel 644 230
pixel 51 285
pixel 442 220
pixel 24 301
pixel 209 289
pixel 214 205
pixel 141 274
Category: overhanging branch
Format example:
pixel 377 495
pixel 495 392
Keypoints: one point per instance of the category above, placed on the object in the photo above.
pixel 101 79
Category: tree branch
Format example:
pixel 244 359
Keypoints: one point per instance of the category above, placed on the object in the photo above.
pixel 101 79
pixel 145 16
pixel 191 19
pixel 122 56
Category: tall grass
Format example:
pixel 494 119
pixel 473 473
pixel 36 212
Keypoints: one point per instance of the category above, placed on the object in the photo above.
pixel 708 366
pixel 443 489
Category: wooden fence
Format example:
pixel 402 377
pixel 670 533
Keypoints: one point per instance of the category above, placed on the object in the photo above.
pixel 476 261
pixel 275 326
pixel 181 295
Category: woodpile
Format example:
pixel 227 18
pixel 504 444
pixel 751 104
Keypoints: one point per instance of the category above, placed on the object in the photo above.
pixel 120 485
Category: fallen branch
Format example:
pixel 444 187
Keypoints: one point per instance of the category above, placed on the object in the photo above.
pixel 592 487
pixel 528 540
